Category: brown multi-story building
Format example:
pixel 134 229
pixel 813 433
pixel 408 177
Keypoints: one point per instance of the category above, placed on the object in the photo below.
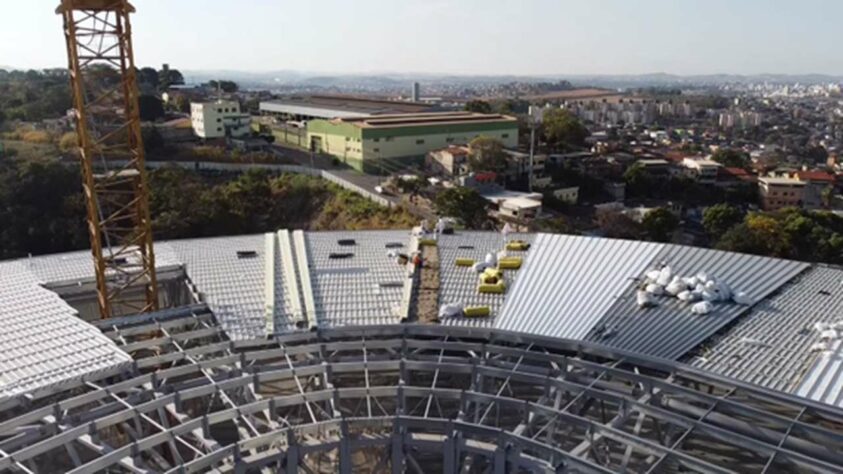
pixel 803 189
pixel 780 192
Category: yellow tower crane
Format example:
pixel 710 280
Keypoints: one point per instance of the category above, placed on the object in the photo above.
pixel 105 97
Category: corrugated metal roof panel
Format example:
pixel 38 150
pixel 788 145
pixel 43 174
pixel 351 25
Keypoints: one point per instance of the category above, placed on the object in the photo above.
pixel 43 343
pixel 351 291
pixel 233 287
pixel 80 265
pixel 459 284
pixel 824 380
pixel 770 346
pixel 569 282
pixel 671 330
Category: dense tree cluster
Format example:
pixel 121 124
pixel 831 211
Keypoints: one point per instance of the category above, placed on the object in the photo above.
pixel 151 108
pixel 789 233
pixel 562 131
pixel 34 95
pixel 660 225
pixel 731 158
pixel 617 225
pixel 478 106
pixel 641 184
pixel 42 209
pixel 464 204
pixel 223 85
pixel 185 204
pixel 486 154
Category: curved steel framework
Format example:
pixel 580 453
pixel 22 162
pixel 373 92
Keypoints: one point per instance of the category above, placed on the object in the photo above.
pixel 405 399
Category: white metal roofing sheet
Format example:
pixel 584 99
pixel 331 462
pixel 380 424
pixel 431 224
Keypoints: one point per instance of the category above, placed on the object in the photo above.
pixel 771 346
pixel 365 288
pixel 79 265
pixel 670 329
pixel 43 343
pixel 569 282
pixel 233 287
pixel 824 380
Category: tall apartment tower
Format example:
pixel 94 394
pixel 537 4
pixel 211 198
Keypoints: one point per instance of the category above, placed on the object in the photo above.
pixel 416 92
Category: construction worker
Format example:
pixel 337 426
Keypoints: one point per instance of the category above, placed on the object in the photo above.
pixel 418 261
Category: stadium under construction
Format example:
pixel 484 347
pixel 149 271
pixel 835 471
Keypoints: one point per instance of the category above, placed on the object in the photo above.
pixel 328 352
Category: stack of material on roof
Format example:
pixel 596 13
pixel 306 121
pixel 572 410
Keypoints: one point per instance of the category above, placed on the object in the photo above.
pixel 701 290
pixel 459 284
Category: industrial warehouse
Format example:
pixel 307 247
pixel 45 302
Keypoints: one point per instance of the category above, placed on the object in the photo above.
pixel 366 143
pixel 304 108
pixel 316 352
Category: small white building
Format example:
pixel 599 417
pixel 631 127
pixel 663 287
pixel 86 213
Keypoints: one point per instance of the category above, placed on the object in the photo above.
pixel 514 204
pixel 703 170
pixel 219 119
pixel 568 195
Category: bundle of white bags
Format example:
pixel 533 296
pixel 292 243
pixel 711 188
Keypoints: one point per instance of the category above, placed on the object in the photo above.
pixel 450 310
pixel 702 289
pixel 829 333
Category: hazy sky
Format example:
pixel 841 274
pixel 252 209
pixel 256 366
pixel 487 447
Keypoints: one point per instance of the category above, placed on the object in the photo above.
pixel 459 36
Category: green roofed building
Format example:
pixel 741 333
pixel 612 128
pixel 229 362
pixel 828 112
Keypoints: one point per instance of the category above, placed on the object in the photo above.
pixel 388 142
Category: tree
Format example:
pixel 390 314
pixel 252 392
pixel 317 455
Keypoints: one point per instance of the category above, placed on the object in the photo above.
pixel 827 196
pixel 152 139
pixel 68 142
pixel 718 219
pixel 169 77
pixel 486 155
pixel 731 158
pixel 770 233
pixel 151 108
pixel 148 77
pixel 555 225
pixel 226 86
pixel 41 208
pixel 181 103
pixel 512 107
pixel 479 106
pixel 660 224
pixel 465 204
pixel 817 154
pixel 562 130
pixel 788 233
pixel 617 225
pixel 176 78
pixel 638 180
pixel 759 234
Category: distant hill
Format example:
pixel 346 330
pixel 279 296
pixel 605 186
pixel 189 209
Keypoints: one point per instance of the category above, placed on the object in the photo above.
pixel 390 79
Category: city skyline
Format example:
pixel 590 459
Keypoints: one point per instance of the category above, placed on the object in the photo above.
pixel 534 38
